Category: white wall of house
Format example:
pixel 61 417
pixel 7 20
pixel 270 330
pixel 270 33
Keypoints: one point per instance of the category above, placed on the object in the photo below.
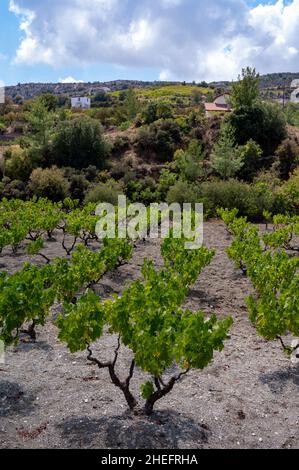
pixel 222 99
pixel 295 96
pixel 81 102
pixel 295 83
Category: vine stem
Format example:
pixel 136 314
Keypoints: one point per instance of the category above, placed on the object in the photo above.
pixel 123 386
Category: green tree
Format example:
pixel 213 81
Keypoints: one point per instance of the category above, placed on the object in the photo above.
pixel 49 100
pixel 49 183
pixel 245 92
pixel 190 162
pixel 264 123
pixel 292 114
pixel 79 143
pixel 251 154
pixel 41 122
pixel 226 159
pixel 132 104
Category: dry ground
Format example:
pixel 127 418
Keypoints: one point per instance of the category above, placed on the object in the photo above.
pixel 247 398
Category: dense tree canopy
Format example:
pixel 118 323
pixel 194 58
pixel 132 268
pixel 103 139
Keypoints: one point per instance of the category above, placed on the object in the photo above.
pixel 263 122
pixel 79 143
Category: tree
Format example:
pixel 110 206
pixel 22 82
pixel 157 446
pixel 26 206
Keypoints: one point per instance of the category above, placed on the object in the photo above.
pixel 49 101
pixel 287 157
pixel 264 123
pixel 190 163
pixel 41 122
pixel 132 104
pixel 251 154
pixel 226 159
pixel 245 92
pixel 18 165
pixel 79 143
pixel 49 183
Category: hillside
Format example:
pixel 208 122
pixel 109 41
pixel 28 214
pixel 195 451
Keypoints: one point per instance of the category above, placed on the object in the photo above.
pixel 31 90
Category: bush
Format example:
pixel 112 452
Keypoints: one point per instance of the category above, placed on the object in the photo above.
pixel 18 165
pixel 80 143
pixel 125 126
pixel 166 181
pixel 142 190
pixel 191 162
pixel 78 187
pixel 263 122
pixel 226 160
pixel 120 145
pixel 104 192
pixel 290 192
pixel 183 192
pixel 287 158
pixel 49 183
pixel 292 114
pixel 250 200
pixel 14 189
pixel 159 140
pixel 251 156
pixel 91 173
pixel 155 111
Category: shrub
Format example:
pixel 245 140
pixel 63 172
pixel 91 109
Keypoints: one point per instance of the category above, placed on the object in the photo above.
pixel 166 181
pixel 91 173
pixel 287 158
pixel 18 165
pixel 290 192
pixel 80 143
pixel 250 200
pixel 292 114
pixel 142 190
pixel 159 140
pixel 226 159
pixel 125 126
pixel 2 128
pixel 263 122
pixel 191 163
pixel 49 183
pixel 183 192
pixel 251 156
pixel 120 145
pixel 78 187
pixel 104 192
pixel 14 189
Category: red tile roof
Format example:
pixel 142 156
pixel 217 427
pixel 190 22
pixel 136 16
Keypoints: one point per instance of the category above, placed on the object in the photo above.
pixel 224 108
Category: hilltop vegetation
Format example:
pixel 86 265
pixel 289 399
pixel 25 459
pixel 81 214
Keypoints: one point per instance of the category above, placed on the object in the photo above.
pixel 134 308
pixel 153 144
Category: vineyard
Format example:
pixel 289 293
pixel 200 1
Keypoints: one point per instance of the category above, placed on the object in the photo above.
pixel 118 343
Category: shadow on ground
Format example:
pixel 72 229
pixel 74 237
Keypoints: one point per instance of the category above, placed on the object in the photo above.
pixel 162 430
pixel 279 379
pixel 14 400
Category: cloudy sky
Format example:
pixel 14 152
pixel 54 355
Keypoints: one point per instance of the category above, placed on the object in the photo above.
pixel 68 40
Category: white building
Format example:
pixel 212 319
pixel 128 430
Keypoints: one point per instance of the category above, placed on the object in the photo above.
pixel 81 102
pixel 295 93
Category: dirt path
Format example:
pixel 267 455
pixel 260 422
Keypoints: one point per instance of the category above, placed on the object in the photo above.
pixel 247 398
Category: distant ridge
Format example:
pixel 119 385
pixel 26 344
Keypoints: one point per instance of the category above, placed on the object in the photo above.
pixel 31 90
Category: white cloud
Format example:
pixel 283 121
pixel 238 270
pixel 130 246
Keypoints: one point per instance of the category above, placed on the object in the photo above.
pixel 184 39
pixel 70 80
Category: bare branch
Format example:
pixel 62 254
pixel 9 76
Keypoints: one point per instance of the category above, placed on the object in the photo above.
pixel 101 365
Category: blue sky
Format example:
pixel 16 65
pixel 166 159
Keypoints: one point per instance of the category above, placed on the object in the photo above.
pixel 88 40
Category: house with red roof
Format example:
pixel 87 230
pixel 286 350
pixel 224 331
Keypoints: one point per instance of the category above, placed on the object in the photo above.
pixel 221 104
